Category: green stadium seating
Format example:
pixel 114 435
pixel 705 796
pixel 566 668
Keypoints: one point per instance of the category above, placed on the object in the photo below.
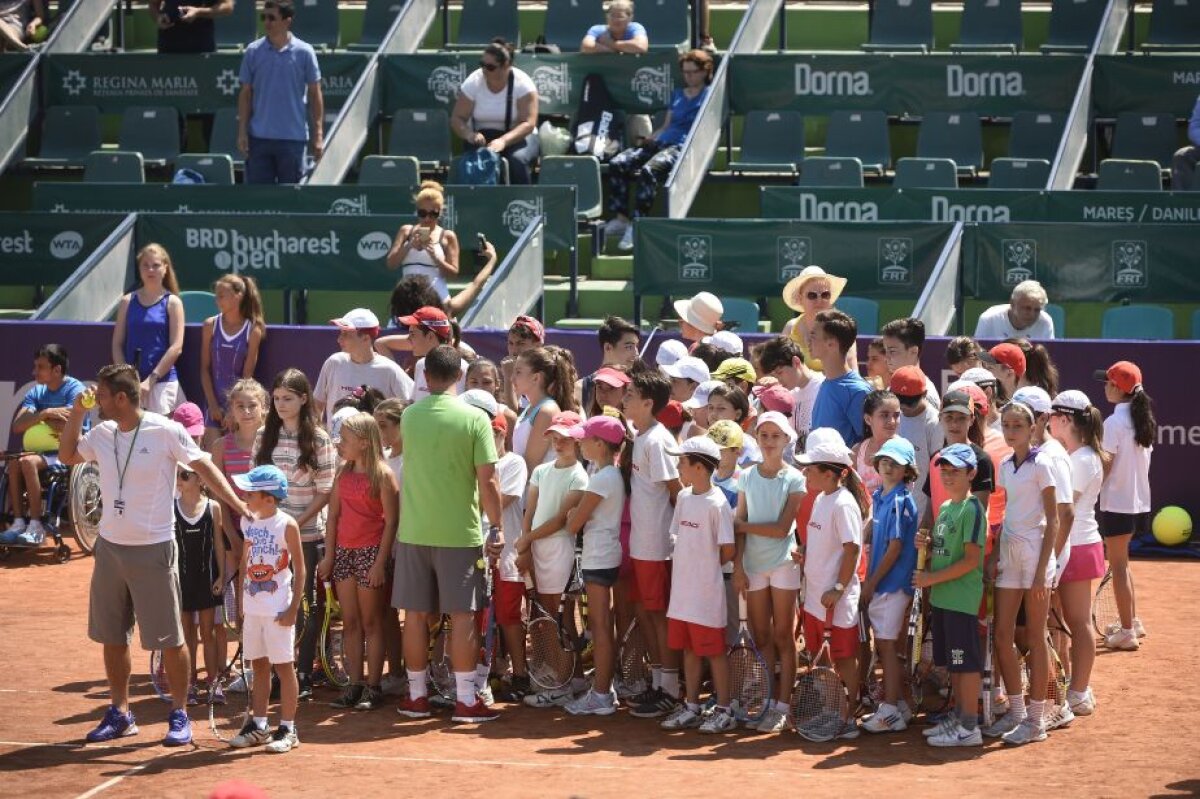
pixel 580 171
pixel 990 26
pixel 423 133
pixel 216 168
pixel 69 134
pixel 377 21
pixel 568 20
pixel 1196 325
pixel 114 166
pixel 224 135
pixel 484 20
pixel 1119 175
pixel 316 22
pixel 198 306
pixel 818 172
pixel 152 131
pixel 1145 137
pixel 1035 134
pixel 742 313
pixel 901 26
pixel 1019 173
pixel 864 311
pixel 400 171
pixel 926 173
pixel 862 135
pixel 772 141
pixel 238 29
pixel 1058 315
pixel 1073 25
pixel 1174 25
pixel 1152 322
pixel 955 135
pixel 666 22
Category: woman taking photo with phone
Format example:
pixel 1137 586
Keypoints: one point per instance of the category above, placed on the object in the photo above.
pixel 425 248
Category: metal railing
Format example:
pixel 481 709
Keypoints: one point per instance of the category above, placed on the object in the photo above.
pixel 75 30
pixel 516 287
pixel 938 304
pixel 17 112
pixel 93 291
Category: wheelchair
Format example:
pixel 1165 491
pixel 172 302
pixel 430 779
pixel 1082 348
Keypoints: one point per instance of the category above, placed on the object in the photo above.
pixel 70 498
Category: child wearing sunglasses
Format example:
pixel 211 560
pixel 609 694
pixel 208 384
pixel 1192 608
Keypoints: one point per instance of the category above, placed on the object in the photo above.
pixel 426 248
pixel 201 576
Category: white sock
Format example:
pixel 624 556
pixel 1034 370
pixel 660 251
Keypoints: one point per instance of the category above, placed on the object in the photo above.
pixel 1078 696
pixel 693 706
pixel 417 689
pixel 655 676
pixel 1016 706
pixel 482 672
pixel 1037 711
pixel 670 682
pixel 291 725
pixel 260 722
pixel 464 686
pixel 1127 630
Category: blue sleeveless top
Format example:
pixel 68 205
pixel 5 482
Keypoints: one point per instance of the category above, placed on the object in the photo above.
pixel 228 357
pixel 148 329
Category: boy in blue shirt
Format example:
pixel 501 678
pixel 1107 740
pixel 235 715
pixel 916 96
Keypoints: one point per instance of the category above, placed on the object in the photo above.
pixel 840 399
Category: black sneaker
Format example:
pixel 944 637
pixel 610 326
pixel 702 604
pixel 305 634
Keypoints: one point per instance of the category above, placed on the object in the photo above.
pixel 659 705
pixel 371 699
pixel 516 690
pixel 349 698
pixel 306 687
pixel 648 695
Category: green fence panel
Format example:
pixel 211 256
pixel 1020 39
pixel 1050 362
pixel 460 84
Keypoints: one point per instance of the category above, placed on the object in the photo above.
pixel 44 249
pixel 11 65
pixel 191 83
pixel 752 258
pixel 1178 208
pixel 1082 263
pixel 503 212
pixel 1159 83
pixel 247 199
pixel 904 84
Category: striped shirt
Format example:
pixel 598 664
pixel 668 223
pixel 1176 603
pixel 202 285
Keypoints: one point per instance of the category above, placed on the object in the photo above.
pixel 237 460
pixel 304 484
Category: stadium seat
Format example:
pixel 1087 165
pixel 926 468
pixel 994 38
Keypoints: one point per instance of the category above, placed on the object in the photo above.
pixel 424 134
pixel 568 20
pixel 1139 322
pixel 1118 175
pixel 69 134
pixel 955 135
pixel 377 21
pixel 1174 25
pixel 456 176
pixel 1145 137
pixel 864 311
pixel 238 29
pixel 740 314
pixel 1058 315
pixel 198 306
pixel 818 172
pixel 397 171
pixel 772 141
pixel 666 22
pixel 901 26
pixel 862 135
pixel 580 171
pixel 483 20
pixel 926 173
pixel 114 166
pixel 1035 134
pixel 216 168
pixel 1073 25
pixel 1019 173
pixel 152 131
pixel 224 135
pixel 316 22
pixel 990 26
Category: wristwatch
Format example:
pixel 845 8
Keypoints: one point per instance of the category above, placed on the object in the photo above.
pixel 841 589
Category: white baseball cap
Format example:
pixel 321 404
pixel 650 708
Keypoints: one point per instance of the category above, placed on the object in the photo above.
pixel 978 375
pixel 779 420
pixel 700 396
pixel 698 445
pixel 357 319
pixel 1033 396
pixel 478 398
pixel 726 341
pixel 1071 401
pixel 670 351
pixel 825 445
pixel 688 367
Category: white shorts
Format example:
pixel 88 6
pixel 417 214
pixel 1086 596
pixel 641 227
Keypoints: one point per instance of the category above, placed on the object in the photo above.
pixel 1061 561
pixel 553 559
pixel 788 577
pixel 888 613
pixel 262 637
pixel 165 397
pixel 1018 562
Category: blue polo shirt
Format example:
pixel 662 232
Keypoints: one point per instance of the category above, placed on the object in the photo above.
pixel 40 397
pixel 683 113
pixel 280 80
pixel 839 405
pixel 632 31
pixel 895 518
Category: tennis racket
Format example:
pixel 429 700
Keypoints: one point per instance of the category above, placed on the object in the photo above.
pixel 916 635
pixel 158 676
pixel 633 660
pixel 331 644
pixel 440 670
pixel 870 691
pixel 1105 617
pixel 489 617
pixel 551 657
pixel 989 646
pixel 231 603
pixel 229 712
pixel 750 679
pixel 820 701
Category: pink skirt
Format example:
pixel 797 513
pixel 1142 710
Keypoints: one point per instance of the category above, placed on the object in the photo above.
pixel 1086 563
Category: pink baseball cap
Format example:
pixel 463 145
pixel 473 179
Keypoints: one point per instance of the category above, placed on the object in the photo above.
pixel 775 398
pixel 605 428
pixel 191 417
pixel 611 377
pixel 566 423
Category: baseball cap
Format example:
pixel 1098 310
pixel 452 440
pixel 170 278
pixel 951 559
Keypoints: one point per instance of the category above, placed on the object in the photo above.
pixel 671 415
pixel 605 428
pixel 908 381
pixel 611 377
pixel 1125 375
pixel 775 398
pixel 1072 402
pixel 726 341
pixel 267 479
pixel 688 367
pixel 566 423
pixel 484 401
pixel 898 449
pixel 959 401
pixel 532 325
pixel 727 434
pixel 979 400
pixel 698 445
pixel 189 415
pixel 779 420
pixel 736 368
pixel 339 416
pixel 957 455
pixel 825 445
pixel 670 351
pixel 979 376
pixel 357 319
pixel 1033 396
pixel 434 319
pixel 500 423
pixel 700 395
pixel 1009 355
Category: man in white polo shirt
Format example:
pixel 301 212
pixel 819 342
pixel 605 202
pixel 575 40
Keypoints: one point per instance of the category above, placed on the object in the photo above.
pixel 136 571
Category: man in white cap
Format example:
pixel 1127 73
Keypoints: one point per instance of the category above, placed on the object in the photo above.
pixel 357 364
pixel 1023 316
pixel 699 316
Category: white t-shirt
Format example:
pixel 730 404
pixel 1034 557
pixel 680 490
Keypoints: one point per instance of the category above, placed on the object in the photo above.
pixel 340 376
pixel 602 532
pixel 1024 514
pixel 555 551
pixel 701 524
pixel 804 398
pixel 1087 473
pixel 1060 467
pixel 649 500
pixel 836 520
pixel 994 323
pixel 488 113
pixel 1127 489
pixel 512 474
pixel 926 435
pixel 267 584
pixel 147 491
pixel 421 385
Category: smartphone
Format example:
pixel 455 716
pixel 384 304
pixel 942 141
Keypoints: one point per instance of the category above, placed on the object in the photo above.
pixel 481 256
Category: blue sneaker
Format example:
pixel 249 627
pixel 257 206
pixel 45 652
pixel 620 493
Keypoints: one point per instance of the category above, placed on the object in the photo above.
pixel 179 732
pixel 115 724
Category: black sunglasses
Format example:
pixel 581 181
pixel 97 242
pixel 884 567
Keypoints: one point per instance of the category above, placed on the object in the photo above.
pixel 489 67
pixel 819 295
pixel 185 476
pixel 423 214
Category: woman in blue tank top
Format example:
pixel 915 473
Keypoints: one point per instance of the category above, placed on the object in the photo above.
pixel 149 330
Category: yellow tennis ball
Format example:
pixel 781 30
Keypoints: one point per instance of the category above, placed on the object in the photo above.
pixel 1172 526
pixel 39 34
pixel 40 438
pixel 89 400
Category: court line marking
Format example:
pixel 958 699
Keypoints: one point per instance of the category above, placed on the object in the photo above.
pixel 104 786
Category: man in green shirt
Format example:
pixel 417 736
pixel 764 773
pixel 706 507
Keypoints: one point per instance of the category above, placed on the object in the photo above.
pixel 450 467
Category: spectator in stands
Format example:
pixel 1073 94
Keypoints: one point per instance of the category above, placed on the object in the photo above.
pixel 1024 316
pixel 619 35
pixel 1183 165
pixel 497 108
pixel 19 21
pixel 810 292
pixel 651 161
pixel 281 81
pixel 426 248
pixel 188 28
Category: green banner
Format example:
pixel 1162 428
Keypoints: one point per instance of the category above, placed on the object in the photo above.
pixel 347 199
pixel 639 84
pixel 46 248
pixel 1090 263
pixel 11 65
pixel 1139 83
pixel 503 212
pixel 751 258
pixel 191 83
pixel 903 84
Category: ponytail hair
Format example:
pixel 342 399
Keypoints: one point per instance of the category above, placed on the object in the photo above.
pixel 558 374
pixel 1145 427
pixel 625 459
pixel 854 485
pixel 1089 427
pixel 249 300
pixel 1039 366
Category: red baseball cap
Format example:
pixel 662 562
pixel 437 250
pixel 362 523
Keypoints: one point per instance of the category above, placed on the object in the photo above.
pixel 775 398
pixel 908 381
pixel 532 325
pixel 566 423
pixel 1007 354
pixel 1125 375
pixel 611 377
pixel 499 423
pixel 672 415
pixel 434 319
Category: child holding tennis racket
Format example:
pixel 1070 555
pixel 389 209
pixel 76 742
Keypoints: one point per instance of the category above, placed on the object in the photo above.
pixel 769 494
pixel 201 576
pixel 702 526
pixel 728 437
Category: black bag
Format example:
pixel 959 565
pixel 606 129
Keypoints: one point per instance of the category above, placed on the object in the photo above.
pixel 599 127
pixel 540 46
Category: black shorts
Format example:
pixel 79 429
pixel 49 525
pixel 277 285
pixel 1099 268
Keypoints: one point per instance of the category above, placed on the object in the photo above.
pixel 1114 524
pixel 956 641
pixel 604 577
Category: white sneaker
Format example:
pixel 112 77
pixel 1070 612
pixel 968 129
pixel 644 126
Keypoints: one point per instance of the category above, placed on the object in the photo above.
pixel 1082 704
pixel 593 704
pixel 1027 732
pixel 1061 716
pixel 251 735
pixel 544 699
pixel 905 711
pixel 1125 641
pixel 683 718
pixel 394 686
pixel 615 227
pixel 629 690
pixel 34 534
pixel 17 527
pixel 1139 629
pixel 956 735
pixel 886 719
pixel 1113 628
pixel 774 721
pixel 1002 726
pixel 485 695
pixel 283 740
pixel 718 721
pixel 948 723
pixel 626 242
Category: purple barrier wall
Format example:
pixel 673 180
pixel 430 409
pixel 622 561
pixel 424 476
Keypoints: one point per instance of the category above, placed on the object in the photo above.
pixel 1168 368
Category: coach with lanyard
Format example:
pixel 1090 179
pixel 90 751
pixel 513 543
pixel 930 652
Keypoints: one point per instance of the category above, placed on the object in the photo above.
pixel 136 572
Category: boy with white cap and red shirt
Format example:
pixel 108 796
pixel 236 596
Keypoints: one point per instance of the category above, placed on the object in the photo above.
pixel 357 364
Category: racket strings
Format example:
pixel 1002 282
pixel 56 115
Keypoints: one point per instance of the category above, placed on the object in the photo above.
pixel 633 660
pixel 819 703
pixel 550 666
pixel 750 682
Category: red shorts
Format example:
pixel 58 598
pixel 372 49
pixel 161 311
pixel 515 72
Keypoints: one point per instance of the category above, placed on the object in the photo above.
pixel 651 584
pixel 702 641
pixel 843 641
pixel 506 596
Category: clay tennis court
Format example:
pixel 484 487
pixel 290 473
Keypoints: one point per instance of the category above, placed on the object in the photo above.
pixel 1141 742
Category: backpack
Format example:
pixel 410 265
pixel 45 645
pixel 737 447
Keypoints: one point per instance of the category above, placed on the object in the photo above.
pixel 185 176
pixel 479 167
pixel 599 127
pixel 540 46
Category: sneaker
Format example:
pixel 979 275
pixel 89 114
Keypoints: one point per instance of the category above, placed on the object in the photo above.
pixel 1028 731
pixel 216 694
pixel 306 687
pixel 641 697
pixel 515 690
pixel 658 705
pixel 823 729
pixel 115 724
pixel 718 721
pixel 179 729
pixel 594 704
pixel 905 711
pixel 33 536
pixel 440 701
pixel 415 708
pixel 371 699
pixel 956 735
pixel 193 697
pixel 238 686
pixel 393 685
pixel 474 714
pixel 1139 629
pixel 485 694
pixel 1114 627
pixel 774 721
pixel 615 227
pixel 684 718
pixel 626 242
pixel 887 719
pixel 251 735
pixel 13 532
pixel 1061 716
pixel 947 724
pixel 1123 641
pixel 627 691
pixel 559 697
pixel 1002 726
pixel 1084 705
pixel 283 740
pixel 849 731
pixel 350 697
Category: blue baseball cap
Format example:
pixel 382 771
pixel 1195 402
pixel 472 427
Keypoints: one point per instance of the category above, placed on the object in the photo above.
pixel 267 479
pixel 898 449
pixel 958 455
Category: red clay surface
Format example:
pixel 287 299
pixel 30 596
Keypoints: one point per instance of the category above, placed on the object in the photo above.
pixel 1144 739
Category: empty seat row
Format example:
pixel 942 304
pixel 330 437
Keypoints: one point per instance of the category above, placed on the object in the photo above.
pixel 922 173
pixel 123 166
pixel 566 22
